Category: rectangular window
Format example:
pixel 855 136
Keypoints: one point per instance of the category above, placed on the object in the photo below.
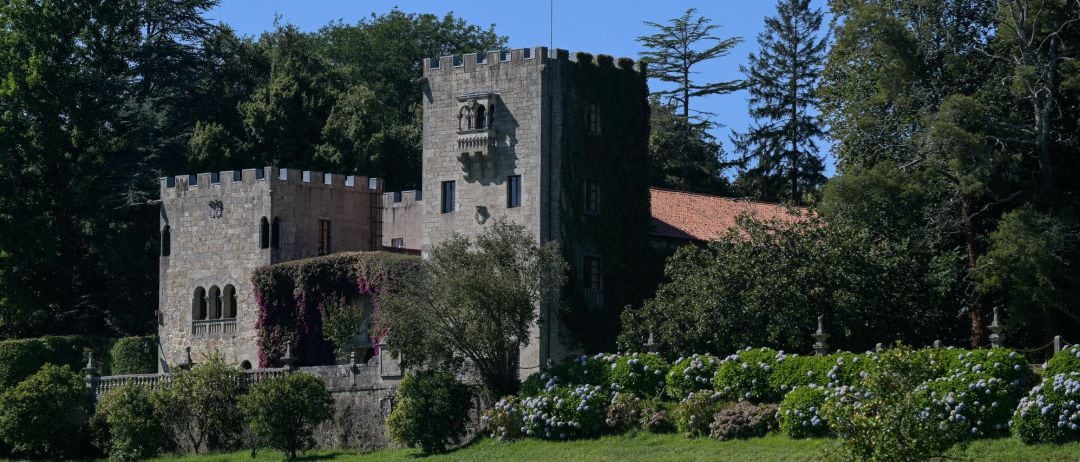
pixel 192 180
pixel 592 196
pixel 397 243
pixel 592 117
pixel 448 204
pixel 513 191
pixel 590 273
pixel 324 237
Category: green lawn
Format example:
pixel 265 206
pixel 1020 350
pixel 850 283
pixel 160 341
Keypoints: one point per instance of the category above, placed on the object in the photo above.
pixel 649 447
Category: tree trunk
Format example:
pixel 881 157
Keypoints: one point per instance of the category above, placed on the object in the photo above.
pixel 976 309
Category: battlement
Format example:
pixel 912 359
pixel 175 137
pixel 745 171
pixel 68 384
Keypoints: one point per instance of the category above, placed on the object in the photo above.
pixel 470 62
pixel 271 175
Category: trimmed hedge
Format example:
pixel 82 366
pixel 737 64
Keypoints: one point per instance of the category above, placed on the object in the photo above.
pixel 21 358
pixel 745 375
pixel 1066 361
pixel 690 374
pixel 800 413
pixel 642 374
pixel 134 355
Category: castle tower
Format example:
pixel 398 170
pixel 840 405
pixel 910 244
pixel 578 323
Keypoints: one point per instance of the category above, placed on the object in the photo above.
pixel 557 145
pixel 217 228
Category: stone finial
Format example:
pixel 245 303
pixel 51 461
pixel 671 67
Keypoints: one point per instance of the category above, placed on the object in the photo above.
pixel 650 345
pixel 879 347
pixel 288 359
pixel 997 338
pixel 821 347
pixel 937 343
pixel 91 366
pixel 1057 343
pixel 188 362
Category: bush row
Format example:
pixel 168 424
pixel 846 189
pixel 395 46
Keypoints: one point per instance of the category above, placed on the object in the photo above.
pixel 21 358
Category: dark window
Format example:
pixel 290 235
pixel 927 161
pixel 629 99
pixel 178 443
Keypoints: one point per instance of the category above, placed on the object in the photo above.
pixel 491 117
pixel 170 182
pixel 324 237
pixel 397 243
pixel 459 60
pixel 264 233
pixel 198 304
pixel 192 180
pixel 481 58
pixel 275 234
pixel 238 175
pixel 513 191
pixel 590 273
pixel 228 299
pixel 433 63
pixel 215 302
pixel 448 204
pixel 592 196
pixel 527 53
pixel 480 119
pixel 215 177
pixel 166 241
pixel 592 117
pixel 245 365
pixel 419 195
pixel 504 55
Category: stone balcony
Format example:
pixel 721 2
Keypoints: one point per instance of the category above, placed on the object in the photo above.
pixel 482 140
pixel 213 328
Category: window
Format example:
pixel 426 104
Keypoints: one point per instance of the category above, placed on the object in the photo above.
pixel 228 299
pixel 480 118
pixel 170 182
pixel 275 234
pixel 192 180
pixel 448 204
pixel 592 196
pixel 264 233
pixel 592 117
pixel 513 191
pixel 590 273
pixel 397 243
pixel 464 119
pixel 324 237
pixel 198 304
pixel 166 244
pixel 214 301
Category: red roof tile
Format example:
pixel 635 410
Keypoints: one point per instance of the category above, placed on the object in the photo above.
pixel 691 216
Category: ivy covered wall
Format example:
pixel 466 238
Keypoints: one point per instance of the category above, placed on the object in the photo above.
pixel 292 298
pixel 616 157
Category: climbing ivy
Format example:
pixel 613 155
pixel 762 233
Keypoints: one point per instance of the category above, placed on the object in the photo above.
pixel 617 159
pixel 292 298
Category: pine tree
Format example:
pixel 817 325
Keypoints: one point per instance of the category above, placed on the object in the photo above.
pixel 780 159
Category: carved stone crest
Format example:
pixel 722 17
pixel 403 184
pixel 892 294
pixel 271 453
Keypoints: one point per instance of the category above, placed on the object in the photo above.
pixel 216 208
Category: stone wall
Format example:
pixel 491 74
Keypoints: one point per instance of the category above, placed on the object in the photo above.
pixel 403 218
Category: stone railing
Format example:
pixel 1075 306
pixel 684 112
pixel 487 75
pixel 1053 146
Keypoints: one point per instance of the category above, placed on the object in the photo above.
pixel 594 297
pixel 212 328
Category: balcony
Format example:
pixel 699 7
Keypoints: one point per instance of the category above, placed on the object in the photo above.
pixel 476 140
pixel 214 328
pixel 594 297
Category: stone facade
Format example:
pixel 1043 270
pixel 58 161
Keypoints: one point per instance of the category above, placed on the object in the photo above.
pixel 218 227
pixel 403 214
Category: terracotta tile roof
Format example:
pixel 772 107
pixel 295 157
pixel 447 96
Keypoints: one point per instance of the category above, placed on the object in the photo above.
pixel 691 216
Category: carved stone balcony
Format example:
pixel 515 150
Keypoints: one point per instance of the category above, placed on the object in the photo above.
pixel 594 297
pixel 482 140
pixel 213 328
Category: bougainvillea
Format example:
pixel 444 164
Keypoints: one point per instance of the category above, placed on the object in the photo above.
pixel 292 298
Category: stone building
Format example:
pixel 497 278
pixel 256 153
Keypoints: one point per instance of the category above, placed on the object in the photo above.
pixel 216 228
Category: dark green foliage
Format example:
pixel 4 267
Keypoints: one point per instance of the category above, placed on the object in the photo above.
pixel 470 304
pixel 431 412
pixel 691 374
pixel 780 158
pixel 198 406
pixel 624 413
pixel 292 297
pixel 282 412
pixel 566 412
pixel 584 370
pixel 1066 361
pixel 125 426
pixel 134 355
pixel 695 413
pixel 658 416
pixel 745 376
pixel 1049 413
pixel 800 413
pixel 743 420
pixel 642 374
pixel 683 155
pixel 20 359
pixel 44 416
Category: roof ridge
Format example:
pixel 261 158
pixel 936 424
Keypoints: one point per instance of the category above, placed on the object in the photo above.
pixel 733 199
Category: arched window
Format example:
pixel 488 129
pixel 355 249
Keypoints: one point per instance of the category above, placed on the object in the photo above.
pixel 491 117
pixel 592 117
pixel 480 118
pixel 264 233
pixel 464 119
pixel 214 302
pixel 166 241
pixel 198 304
pixel 275 234
pixel 228 299
pixel 245 365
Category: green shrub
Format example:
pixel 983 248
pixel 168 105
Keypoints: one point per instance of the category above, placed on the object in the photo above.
pixel 624 413
pixel 695 412
pixel 745 375
pixel 566 412
pixel 282 412
pixel 503 421
pixel 1066 361
pixel 691 374
pixel 800 413
pixel 642 374
pixel 432 411
pixel 124 424
pixel 1050 413
pixel 43 416
pixel 889 416
pixel 976 406
pixel 743 420
pixel 657 416
pixel 21 358
pixel 199 406
pixel 134 355
pixel 583 370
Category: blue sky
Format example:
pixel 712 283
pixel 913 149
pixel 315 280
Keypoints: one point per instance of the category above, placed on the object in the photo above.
pixel 606 26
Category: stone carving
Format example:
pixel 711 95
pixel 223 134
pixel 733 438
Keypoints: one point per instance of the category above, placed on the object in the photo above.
pixel 216 209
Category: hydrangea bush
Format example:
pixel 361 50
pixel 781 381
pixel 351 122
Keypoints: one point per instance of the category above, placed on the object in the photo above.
pixel 695 413
pixel 743 420
pixel 624 414
pixel 1050 413
pixel 1066 361
pixel 800 412
pixel 642 374
pixel 745 375
pixel 565 412
pixel 690 374
pixel 504 420
pixel 583 370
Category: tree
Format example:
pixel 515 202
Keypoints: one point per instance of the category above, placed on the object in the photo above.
pixel 472 303
pixel 683 155
pixel 200 405
pixel 672 54
pixel 779 154
pixel 43 416
pixel 432 410
pixel 282 412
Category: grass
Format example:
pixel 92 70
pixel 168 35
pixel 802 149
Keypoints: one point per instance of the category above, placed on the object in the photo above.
pixel 650 447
